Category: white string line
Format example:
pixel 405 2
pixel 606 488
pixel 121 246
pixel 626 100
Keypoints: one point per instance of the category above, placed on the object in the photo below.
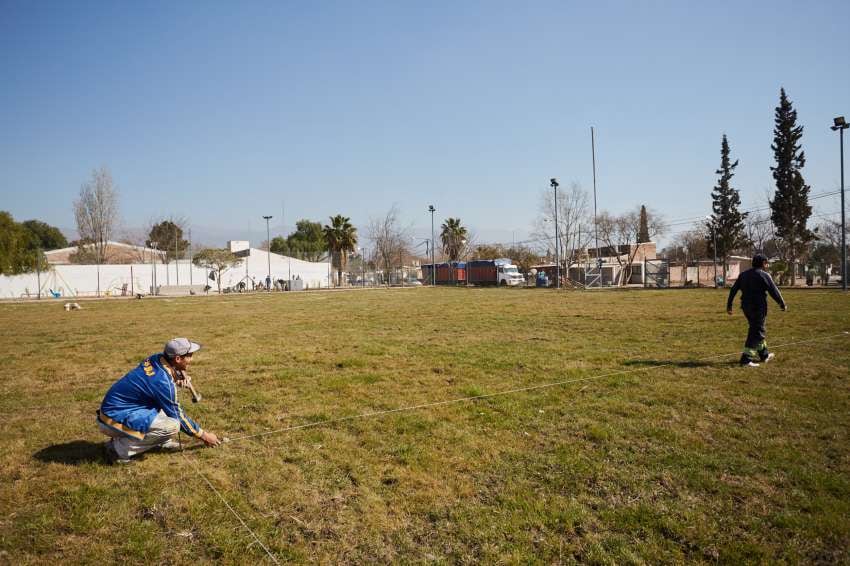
pixel 506 392
pixel 19 412
pixel 271 556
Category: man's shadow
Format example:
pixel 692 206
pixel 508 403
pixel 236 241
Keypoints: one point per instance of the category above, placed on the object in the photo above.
pixel 79 452
pixel 72 453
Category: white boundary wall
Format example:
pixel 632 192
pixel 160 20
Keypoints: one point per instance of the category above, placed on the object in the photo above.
pixel 82 280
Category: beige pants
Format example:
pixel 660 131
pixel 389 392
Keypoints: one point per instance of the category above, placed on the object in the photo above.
pixel 163 429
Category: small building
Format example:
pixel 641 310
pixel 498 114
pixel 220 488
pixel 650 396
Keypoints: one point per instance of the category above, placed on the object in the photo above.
pixel 700 273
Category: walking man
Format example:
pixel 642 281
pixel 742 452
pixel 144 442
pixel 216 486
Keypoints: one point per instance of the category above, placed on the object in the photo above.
pixel 140 411
pixel 755 284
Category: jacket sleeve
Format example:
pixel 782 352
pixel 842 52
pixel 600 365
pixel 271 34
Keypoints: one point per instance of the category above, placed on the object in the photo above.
pixel 774 290
pixel 732 292
pixel 166 396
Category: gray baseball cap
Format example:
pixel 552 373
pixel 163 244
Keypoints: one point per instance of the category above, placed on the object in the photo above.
pixel 180 347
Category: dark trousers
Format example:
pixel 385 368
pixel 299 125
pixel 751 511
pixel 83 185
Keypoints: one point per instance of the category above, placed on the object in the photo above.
pixel 756 333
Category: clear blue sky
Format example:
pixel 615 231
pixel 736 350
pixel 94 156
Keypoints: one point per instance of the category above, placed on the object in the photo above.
pixel 222 111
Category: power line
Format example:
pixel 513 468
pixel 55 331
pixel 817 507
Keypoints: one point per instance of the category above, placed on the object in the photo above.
pixel 687 220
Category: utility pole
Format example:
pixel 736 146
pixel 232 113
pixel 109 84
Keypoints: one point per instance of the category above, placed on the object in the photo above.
pixel 432 210
pixel 38 270
pixel 176 257
pixel 190 257
pixel 714 242
pixel 595 224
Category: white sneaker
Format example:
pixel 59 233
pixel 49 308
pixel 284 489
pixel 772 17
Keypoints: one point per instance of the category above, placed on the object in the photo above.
pixel 750 365
pixel 171 445
pixel 769 357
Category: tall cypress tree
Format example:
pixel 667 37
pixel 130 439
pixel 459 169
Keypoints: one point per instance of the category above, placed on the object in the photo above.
pixel 726 219
pixel 643 230
pixel 789 209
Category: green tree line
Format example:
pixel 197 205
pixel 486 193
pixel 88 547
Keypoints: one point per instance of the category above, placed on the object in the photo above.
pixel 22 244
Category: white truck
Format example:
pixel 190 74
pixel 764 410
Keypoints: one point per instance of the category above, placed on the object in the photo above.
pixel 494 272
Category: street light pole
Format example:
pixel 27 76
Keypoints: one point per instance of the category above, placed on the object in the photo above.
pixel 432 210
pixel 840 125
pixel 554 184
pixel 268 254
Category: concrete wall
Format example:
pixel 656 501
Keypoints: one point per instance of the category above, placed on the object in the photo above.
pixel 85 280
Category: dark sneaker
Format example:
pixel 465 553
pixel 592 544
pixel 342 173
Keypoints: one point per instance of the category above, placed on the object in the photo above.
pixel 112 456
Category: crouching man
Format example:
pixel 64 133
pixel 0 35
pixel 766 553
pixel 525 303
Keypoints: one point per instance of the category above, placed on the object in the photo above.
pixel 140 411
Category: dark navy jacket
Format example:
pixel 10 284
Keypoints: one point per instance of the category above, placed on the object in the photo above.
pixel 132 403
pixel 754 285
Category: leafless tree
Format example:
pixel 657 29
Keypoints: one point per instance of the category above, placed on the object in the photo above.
pixel 619 233
pixel 759 230
pixel 390 241
pixel 96 212
pixel 829 232
pixel 687 245
pixel 575 226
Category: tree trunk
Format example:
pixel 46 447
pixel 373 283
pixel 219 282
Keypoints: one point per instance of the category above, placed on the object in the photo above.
pixel 793 264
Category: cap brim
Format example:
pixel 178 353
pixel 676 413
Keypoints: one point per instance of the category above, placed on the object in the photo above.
pixel 193 347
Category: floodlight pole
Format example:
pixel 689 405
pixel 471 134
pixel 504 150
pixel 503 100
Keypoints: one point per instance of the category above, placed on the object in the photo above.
pixel 268 254
pixel 554 184
pixel 841 125
pixel 432 210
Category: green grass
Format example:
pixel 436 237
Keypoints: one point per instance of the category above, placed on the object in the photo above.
pixel 696 460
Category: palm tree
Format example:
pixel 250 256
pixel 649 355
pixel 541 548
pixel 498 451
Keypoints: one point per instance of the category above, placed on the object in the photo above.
pixel 453 236
pixel 341 237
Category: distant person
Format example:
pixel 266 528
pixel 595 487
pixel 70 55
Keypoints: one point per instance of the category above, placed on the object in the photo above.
pixel 268 282
pixel 140 411
pixel 755 284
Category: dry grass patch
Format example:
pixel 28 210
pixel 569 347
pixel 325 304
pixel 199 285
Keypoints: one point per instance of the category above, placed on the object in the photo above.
pixel 675 455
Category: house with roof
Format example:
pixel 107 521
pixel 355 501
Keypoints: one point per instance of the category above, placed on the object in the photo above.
pixel 116 253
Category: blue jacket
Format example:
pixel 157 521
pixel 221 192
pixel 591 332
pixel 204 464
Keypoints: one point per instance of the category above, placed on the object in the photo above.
pixel 133 402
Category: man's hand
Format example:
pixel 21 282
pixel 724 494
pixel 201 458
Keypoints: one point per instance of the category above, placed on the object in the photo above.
pixel 784 308
pixel 729 311
pixel 210 439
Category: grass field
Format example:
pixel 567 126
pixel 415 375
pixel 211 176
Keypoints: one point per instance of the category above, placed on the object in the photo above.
pixel 664 451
